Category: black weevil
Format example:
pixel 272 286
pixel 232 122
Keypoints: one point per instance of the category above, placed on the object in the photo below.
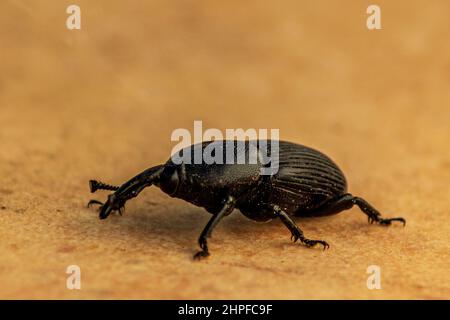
pixel 306 184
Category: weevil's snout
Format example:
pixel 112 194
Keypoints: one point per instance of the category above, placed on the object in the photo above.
pixel 112 204
pixel 105 211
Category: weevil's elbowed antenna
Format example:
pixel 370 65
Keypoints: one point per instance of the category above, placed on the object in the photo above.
pixel 95 185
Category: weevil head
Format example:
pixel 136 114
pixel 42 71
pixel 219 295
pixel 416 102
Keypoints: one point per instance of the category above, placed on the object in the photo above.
pixel 169 180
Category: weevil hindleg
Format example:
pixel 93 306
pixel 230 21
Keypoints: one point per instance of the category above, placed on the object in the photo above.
pixel 373 214
pixel 346 202
pixel 297 233
pixel 215 219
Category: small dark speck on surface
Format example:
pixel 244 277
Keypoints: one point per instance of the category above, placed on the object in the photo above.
pixel 6 191
pixel 66 249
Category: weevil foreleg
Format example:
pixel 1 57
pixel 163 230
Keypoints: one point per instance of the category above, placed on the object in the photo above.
pixel 215 219
pixel 93 201
pixel 297 233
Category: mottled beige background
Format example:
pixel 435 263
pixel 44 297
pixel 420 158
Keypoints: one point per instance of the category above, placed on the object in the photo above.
pixel 102 103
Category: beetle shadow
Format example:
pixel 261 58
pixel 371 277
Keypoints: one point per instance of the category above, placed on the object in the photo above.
pixel 188 222
pixel 178 226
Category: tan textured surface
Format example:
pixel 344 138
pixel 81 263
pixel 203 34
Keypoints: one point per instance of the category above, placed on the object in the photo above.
pixel 102 102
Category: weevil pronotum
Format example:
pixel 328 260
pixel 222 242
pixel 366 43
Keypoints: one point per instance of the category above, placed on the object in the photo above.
pixel 307 184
